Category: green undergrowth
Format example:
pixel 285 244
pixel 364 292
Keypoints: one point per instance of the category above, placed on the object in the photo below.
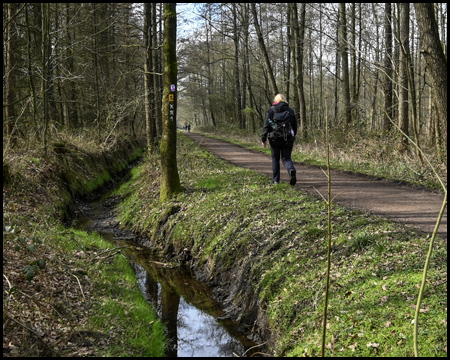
pixel 120 306
pixel 355 151
pixel 231 220
pixel 67 292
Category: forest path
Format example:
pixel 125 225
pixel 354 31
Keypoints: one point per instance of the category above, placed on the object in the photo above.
pixel 413 206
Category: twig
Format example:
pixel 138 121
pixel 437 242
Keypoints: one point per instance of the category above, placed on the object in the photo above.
pixel 158 263
pixel 254 347
pixel 250 349
pixel 79 284
pixel 424 276
pixel 109 250
pixel 48 347
pixel 110 255
pixel 9 284
pixel 328 202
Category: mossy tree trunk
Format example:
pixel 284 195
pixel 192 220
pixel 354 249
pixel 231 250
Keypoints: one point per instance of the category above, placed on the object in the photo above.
pixel 170 180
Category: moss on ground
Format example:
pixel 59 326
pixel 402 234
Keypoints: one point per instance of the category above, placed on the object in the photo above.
pixel 263 249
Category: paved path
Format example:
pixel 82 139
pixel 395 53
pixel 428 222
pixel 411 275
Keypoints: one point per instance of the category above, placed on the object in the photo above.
pixel 410 205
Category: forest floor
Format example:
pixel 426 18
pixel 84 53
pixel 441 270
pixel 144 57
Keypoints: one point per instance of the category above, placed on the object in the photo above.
pixel 49 314
pixel 413 206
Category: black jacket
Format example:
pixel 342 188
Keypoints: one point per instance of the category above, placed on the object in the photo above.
pixel 280 107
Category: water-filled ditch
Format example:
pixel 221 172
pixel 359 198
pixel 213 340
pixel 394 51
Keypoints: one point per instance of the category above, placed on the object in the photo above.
pixel 196 323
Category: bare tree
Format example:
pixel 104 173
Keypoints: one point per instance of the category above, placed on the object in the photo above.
pixel 148 79
pixel 387 68
pixel 45 68
pixel 11 70
pixel 344 54
pixel 237 86
pixel 157 80
pixel 299 40
pixel 403 112
pixel 262 46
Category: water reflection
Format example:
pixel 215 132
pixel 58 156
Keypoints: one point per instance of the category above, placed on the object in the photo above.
pixel 184 304
pixel 190 313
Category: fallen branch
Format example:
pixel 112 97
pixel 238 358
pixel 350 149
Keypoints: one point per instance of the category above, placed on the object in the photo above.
pixel 109 250
pixel 159 263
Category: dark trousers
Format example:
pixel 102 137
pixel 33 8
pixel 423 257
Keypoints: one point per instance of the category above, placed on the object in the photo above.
pixel 284 150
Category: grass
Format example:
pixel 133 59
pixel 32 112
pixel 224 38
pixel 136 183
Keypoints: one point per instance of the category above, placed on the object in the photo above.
pixel 119 305
pixel 368 153
pixel 95 293
pixel 67 292
pixel 233 221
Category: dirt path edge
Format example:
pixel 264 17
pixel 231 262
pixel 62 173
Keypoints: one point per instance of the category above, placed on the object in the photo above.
pixel 412 206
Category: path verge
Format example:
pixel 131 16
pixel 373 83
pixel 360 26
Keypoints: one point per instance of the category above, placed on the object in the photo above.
pixel 410 205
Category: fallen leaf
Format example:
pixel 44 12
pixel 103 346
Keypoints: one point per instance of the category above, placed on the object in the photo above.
pixel 375 345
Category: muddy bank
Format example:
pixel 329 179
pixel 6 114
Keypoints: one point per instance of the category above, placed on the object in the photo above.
pixel 232 286
pixel 197 323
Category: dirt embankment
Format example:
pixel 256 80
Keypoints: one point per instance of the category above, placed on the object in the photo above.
pixel 37 311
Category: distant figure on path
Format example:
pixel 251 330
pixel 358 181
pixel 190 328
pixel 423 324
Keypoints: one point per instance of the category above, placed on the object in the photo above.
pixel 189 128
pixel 281 127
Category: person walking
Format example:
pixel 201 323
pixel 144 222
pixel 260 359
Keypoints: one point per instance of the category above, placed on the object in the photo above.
pixel 280 127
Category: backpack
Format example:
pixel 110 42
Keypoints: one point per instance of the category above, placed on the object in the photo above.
pixel 282 128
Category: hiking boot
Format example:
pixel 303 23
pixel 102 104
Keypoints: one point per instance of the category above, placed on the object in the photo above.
pixel 275 182
pixel 292 175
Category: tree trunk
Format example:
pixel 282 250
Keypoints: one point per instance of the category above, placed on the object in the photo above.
pixel 156 77
pixel 299 36
pixel 388 69
pixel 11 70
pixel 245 65
pixel 288 52
pixel 273 84
pixel 170 180
pixel 45 69
pixel 210 84
pixel 353 67
pixel 434 55
pixel 345 72
pixel 377 61
pixel 237 85
pixel 150 129
pixel 403 110
pixel 34 132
